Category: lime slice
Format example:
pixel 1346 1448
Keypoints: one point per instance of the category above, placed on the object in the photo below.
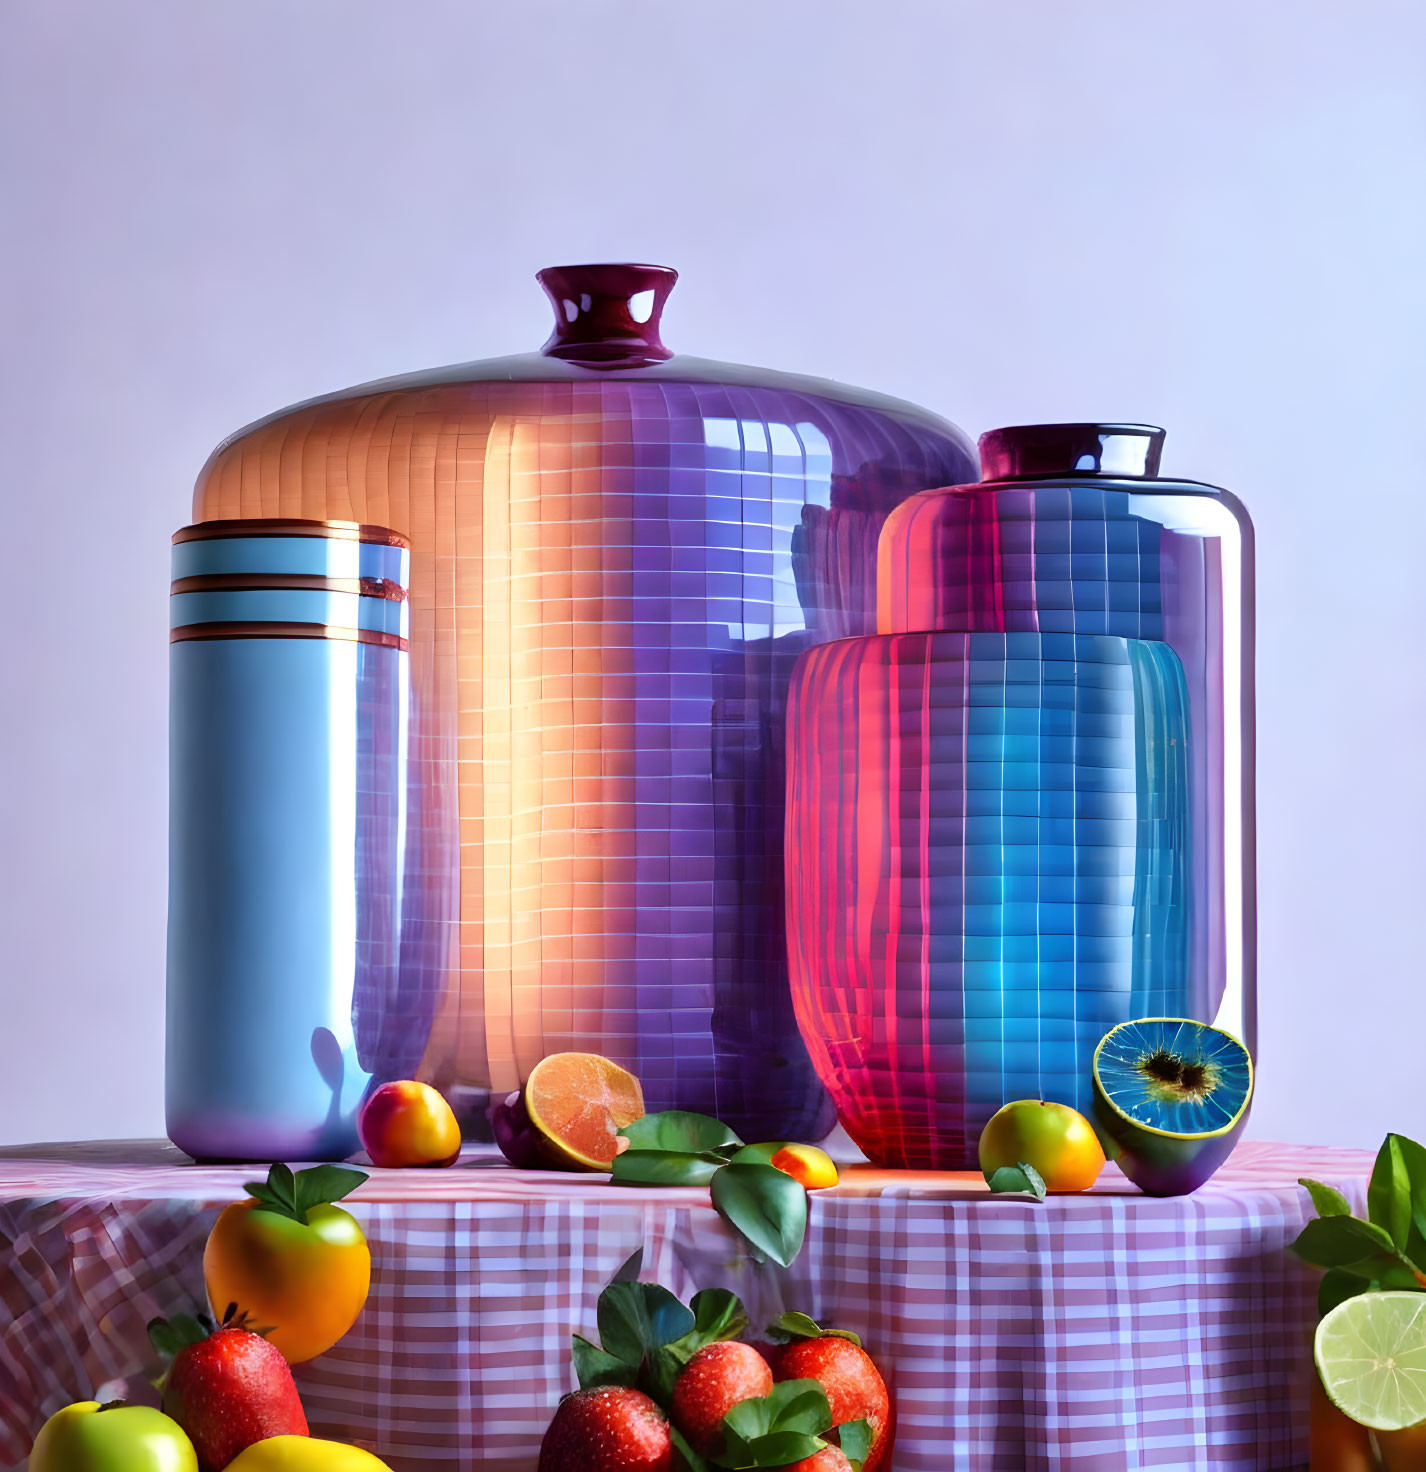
pixel 1371 1354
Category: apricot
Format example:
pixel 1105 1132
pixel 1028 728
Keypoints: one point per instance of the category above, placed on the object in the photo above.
pixel 408 1123
pixel 807 1165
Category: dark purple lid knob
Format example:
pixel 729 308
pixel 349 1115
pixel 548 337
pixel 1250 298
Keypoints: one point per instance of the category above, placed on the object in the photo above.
pixel 1025 451
pixel 607 316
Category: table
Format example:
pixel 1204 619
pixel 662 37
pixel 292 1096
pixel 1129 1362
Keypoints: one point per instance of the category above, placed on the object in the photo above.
pixel 1107 1331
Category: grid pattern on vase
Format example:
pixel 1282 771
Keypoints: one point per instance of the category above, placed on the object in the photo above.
pixel 611 578
pixel 1162 567
pixel 988 844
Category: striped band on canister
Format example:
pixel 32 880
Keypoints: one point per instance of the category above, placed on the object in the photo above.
pixel 289 711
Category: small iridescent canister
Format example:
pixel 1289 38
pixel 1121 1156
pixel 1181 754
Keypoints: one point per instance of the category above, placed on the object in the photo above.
pixel 288 835
pixel 1022 813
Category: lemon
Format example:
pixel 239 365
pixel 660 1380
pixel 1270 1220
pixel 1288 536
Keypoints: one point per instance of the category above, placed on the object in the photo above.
pixel 304 1454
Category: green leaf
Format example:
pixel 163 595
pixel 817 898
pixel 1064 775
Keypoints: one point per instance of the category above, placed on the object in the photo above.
pixel 662 1367
pixel 751 1418
pixel 325 1183
pixel 782 1448
pixel 1336 1287
pixel 594 1367
pixel 1328 1200
pixel 277 1194
pixel 807 1411
pixel 291 1196
pixel 669 1320
pixel 1340 1241
pixel 1387 1272
pixel 678 1130
pixel 631 1267
pixel 735 1451
pixel 793 1325
pixel 169 1336
pixel 1414 1158
pixel 791 1405
pixel 767 1206
pixel 757 1154
pixel 623 1322
pixel 1389 1192
pixel 855 1439
pixel 717 1314
pixel 796 1326
pixel 664 1168
pixel 1022 1178
pixel 692 1460
pixel 637 1317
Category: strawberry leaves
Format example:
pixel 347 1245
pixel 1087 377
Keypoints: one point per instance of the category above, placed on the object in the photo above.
pixel 856 1439
pixel 593 1367
pixel 293 1196
pixel 789 1326
pixel 637 1317
pixel 717 1314
pixel 647 1336
pixel 169 1336
pixel 785 1426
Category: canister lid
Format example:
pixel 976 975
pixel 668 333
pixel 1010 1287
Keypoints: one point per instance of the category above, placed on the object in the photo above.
pixel 1048 541
pixel 1028 451
pixel 607 315
pixel 290 578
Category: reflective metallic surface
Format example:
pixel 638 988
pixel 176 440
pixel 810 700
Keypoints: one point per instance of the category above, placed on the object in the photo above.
pixel 293 977
pixel 617 554
pixel 1023 812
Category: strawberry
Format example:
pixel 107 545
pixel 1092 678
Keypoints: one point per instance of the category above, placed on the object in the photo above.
pixel 769 1351
pixel 713 1381
pixel 829 1459
pixel 229 1390
pixel 610 1429
pixel 853 1384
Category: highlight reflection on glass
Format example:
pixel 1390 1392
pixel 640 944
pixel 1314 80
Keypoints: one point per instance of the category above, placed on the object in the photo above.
pixel 1022 813
pixel 617 554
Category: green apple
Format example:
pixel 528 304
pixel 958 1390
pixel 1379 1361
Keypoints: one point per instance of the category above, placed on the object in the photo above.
pixel 88 1437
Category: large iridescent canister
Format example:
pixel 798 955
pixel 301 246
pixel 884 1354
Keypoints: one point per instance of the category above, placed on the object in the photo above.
pixel 618 551
pixel 1022 812
pixel 294 965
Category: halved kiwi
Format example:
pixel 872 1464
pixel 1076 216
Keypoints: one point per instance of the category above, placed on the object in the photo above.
pixel 1171 1096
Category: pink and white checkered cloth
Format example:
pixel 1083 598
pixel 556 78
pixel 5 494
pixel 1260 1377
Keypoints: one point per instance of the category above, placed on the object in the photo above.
pixel 1106 1331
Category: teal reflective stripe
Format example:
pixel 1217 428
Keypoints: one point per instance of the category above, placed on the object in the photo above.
pixel 288 556
pixel 289 606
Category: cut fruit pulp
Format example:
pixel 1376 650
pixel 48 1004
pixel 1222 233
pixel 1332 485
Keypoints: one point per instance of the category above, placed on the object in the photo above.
pixel 1371 1354
pixel 579 1102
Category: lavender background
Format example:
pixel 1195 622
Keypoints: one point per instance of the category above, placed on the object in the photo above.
pixel 1204 215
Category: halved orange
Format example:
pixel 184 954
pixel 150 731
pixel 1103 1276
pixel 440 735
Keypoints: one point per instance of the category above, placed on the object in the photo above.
pixel 579 1102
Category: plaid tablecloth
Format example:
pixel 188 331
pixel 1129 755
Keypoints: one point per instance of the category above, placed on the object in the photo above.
pixel 1107 1331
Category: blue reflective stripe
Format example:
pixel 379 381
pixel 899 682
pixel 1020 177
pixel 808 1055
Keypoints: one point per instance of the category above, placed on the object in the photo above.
pixel 289 606
pixel 287 556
